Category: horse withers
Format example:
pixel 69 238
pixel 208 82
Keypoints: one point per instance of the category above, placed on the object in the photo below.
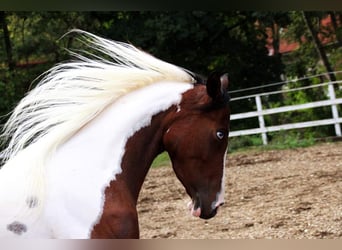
pixel 81 143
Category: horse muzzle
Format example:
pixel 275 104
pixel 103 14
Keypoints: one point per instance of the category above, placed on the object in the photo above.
pixel 197 209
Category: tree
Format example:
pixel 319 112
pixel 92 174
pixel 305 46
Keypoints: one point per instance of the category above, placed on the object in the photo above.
pixel 198 40
pixel 337 29
pixel 318 45
pixel 7 40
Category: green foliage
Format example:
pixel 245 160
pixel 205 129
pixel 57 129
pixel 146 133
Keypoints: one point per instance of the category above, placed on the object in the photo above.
pixel 197 40
pixel 243 142
pixel 14 84
pixel 277 140
pixel 291 139
pixel 201 41
pixel 35 35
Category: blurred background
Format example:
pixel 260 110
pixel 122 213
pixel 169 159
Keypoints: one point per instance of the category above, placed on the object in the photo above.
pixel 274 60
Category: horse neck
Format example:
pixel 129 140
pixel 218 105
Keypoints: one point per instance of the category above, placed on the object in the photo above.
pixel 113 152
pixel 146 142
pixel 121 142
pixel 122 193
pixel 141 149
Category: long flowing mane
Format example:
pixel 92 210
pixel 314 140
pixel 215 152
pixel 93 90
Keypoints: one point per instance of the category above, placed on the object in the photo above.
pixel 71 94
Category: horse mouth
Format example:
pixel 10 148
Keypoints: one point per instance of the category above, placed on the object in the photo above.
pixel 195 209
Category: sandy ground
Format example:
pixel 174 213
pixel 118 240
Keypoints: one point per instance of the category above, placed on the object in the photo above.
pixel 272 194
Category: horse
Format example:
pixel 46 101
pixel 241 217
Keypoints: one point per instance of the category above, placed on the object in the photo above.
pixel 81 142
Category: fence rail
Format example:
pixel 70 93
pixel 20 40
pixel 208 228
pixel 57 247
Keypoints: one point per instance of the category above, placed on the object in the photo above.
pixel 260 112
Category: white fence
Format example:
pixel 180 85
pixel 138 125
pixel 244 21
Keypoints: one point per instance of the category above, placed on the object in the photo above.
pixel 260 112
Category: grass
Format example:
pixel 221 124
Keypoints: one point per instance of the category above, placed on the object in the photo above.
pixel 162 159
pixel 277 141
pixel 291 140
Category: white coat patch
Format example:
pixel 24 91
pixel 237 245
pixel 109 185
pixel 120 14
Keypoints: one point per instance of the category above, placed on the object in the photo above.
pixel 83 167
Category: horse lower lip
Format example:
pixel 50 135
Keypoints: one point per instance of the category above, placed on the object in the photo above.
pixel 195 209
pixel 196 212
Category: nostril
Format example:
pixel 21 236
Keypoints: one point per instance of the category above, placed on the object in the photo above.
pixel 221 204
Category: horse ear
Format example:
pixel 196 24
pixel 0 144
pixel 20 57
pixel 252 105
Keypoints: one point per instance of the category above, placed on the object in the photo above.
pixel 217 86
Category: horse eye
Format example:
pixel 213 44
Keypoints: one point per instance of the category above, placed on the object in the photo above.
pixel 220 135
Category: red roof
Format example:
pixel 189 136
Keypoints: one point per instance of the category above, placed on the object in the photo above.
pixel 326 35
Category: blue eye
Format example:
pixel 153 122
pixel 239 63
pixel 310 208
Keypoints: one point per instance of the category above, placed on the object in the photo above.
pixel 220 134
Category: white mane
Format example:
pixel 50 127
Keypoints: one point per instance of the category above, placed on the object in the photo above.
pixel 71 94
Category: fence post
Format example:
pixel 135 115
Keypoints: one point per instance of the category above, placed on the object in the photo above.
pixel 334 109
pixel 261 119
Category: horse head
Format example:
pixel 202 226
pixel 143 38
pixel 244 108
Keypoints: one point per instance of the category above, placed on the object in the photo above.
pixel 196 140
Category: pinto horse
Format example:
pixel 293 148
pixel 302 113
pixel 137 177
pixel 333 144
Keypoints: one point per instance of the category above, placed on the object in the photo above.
pixel 81 142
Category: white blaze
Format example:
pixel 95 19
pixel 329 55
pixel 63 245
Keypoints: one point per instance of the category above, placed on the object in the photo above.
pixel 220 195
